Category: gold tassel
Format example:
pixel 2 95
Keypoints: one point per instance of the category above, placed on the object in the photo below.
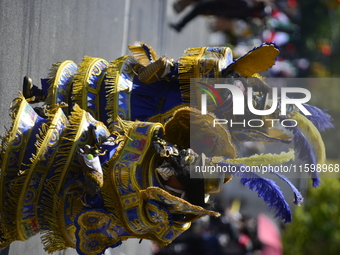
pixel 9 199
pixel 16 191
pixel 142 55
pixel 112 77
pixel 187 66
pixel 112 86
pixel 80 81
pixel 52 76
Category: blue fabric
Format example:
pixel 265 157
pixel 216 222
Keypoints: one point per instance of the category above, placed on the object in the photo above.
pixel 304 151
pixel 31 148
pixel 146 98
pixel 45 85
pixel 110 151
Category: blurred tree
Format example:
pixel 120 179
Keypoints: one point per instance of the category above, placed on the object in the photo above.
pixel 320 33
pixel 325 94
pixel 315 228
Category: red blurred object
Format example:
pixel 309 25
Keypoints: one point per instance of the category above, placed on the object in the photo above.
pixel 291 47
pixel 326 49
pixel 293 3
pixel 244 240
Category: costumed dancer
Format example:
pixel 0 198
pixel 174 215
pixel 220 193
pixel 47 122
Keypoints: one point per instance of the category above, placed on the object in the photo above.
pixel 108 90
pixel 90 184
pixel 145 190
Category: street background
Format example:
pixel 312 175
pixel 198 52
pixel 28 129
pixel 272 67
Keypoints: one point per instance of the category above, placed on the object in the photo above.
pixel 34 34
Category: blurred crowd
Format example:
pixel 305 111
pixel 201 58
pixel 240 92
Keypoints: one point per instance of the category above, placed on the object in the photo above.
pixel 243 24
pixel 230 234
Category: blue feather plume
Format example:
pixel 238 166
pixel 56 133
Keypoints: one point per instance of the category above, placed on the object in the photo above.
pixel 269 192
pixel 266 189
pixel 320 118
pixel 298 199
pixel 304 151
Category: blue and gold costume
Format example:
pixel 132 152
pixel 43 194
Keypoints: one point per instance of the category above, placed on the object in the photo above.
pixel 140 131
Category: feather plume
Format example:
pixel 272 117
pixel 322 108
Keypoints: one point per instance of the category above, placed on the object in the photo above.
pixel 304 151
pixel 269 192
pixel 264 159
pixel 320 118
pixel 298 199
pixel 313 136
pixel 266 189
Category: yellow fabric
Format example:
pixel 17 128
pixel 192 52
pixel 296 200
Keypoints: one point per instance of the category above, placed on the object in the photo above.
pixel 141 55
pixel 56 72
pixel 188 126
pixel 255 61
pixel 313 136
pixel 176 204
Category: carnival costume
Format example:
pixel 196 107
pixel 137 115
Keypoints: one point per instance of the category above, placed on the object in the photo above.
pixel 112 156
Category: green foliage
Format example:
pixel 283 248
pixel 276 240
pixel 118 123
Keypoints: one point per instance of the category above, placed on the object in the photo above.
pixel 315 228
pixel 319 29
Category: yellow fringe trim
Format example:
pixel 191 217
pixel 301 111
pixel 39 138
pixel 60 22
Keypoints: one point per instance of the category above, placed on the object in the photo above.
pixel 109 194
pixel 111 87
pixel 24 180
pixel 81 79
pixel 52 75
pixel 187 69
pixel 8 200
pixel 141 55
pixel 113 204
pixel 51 235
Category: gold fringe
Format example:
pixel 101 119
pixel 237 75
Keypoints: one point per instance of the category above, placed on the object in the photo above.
pixel 52 77
pixel 7 236
pixel 80 81
pixel 8 224
pixel 109 193
pixel 125 126
pixel 187 66
pixel 111 87
pixel 19 184
pixel 141 55
pixel 51 234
